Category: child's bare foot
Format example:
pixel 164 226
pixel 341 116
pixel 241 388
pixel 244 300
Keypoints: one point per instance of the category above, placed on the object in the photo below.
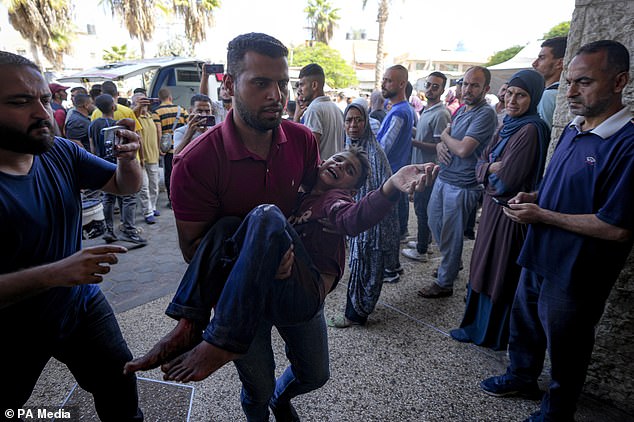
pixel 197 364
pixel 182 338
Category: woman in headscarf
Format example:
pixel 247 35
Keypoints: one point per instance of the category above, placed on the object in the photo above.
pixel 513 163
pixel 369 250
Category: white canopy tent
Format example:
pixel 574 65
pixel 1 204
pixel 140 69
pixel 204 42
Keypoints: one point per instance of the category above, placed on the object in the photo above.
pixel 502 72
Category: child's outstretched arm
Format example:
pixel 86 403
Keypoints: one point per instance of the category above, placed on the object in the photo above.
pixel 410 179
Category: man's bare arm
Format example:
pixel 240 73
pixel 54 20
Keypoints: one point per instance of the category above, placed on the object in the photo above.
pixel 584 224
pixel 462 148
pixel 190 233
pixel 83 267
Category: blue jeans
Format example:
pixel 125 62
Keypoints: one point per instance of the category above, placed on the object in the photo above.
pixel 307 351
pixel 87 339
pixel 128 210
pixel 234 270
pixel 548 316
pixel 421 201
pixel 403 212
pixel 448 210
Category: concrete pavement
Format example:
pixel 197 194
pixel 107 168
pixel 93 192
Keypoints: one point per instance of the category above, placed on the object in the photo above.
pixel 402 366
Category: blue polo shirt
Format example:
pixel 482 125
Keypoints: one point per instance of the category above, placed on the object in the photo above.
pixel 395 135
pixel 590 172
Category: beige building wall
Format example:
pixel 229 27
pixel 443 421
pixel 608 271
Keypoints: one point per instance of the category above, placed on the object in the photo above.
pixel 611 374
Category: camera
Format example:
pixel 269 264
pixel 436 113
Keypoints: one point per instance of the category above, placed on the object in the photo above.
pixel 208 121
pixel 111 140
pixel 210 69
pixel 154 100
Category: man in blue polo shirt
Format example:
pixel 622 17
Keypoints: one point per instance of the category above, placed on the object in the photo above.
pixel 456 190
pixel 395 136
pixel 580 234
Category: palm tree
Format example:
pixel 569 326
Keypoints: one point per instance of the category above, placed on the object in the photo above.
pixel 381 18
pixel 138 16
pixel 117 53
pixel 198 16
pixel 323 19
pixel 46 25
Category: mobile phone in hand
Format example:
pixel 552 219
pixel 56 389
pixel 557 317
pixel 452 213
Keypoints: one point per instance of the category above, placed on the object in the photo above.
pixel 501 202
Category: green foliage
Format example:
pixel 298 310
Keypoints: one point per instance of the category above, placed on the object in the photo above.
pixel 339 74
pixel 323 19
pixel 504 55
pixel 560 30
pixel 118 53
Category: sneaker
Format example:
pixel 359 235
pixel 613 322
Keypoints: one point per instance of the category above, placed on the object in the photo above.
pixel 412 244
pixel 413 254
pixel 340 321
pixel 507 385
pixel 109 236
pixel 391 277
pixel 434 291
pixel 133 237
pixel 150 219
pixel 285 413
pixel 156 213
pixel 398 270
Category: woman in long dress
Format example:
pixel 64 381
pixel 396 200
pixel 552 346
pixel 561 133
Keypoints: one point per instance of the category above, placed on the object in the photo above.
pixel 370 249
pixel 511 164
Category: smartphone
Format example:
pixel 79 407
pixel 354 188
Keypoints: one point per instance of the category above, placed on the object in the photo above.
pixel 210 69
pixel 154 100
pixel 208 121
pixel 111 140
pixel 501 202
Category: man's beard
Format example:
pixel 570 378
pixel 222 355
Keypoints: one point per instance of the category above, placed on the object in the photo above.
pixel 13 140
pixel 251 118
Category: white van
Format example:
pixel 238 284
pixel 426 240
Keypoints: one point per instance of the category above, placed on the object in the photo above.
pixel 180 74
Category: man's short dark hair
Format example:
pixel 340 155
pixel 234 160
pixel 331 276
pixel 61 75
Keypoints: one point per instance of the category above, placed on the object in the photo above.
pixel 104 103
pixel 164 94
pixel 314 71
pixel 409 88
pixel 108 87
pixel 79 89
pixel 441 76
pixel 254 41
pixel 10 59
pixel 139 91
pixel 557 46
pixel 618 57
pixel 201 98
pixel 80 100
pixel 487 73
pixel 400 68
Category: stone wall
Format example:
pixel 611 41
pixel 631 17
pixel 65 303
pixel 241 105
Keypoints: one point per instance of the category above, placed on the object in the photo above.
pixel 611 374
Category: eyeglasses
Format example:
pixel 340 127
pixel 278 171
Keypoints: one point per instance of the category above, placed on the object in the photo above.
pixel 357 120
pixel 434 87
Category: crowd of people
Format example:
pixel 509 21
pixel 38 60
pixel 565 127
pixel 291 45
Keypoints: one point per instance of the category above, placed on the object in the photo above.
pixel 266 209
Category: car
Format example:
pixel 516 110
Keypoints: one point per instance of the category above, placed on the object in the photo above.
pixel 180 74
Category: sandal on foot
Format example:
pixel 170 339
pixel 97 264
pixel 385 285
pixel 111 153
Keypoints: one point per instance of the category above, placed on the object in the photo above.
pixel 340 321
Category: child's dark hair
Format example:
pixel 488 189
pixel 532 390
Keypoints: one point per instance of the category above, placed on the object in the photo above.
pixel 362 156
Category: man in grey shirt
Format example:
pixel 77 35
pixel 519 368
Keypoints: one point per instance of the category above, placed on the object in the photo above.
pixel 456 190
pixel 433 121
pixel 322 116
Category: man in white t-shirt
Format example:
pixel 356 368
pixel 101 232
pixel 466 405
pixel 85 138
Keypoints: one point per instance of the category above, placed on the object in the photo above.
pixel 322 116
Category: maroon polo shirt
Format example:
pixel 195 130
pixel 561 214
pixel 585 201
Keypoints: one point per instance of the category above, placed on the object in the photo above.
pixel 216 176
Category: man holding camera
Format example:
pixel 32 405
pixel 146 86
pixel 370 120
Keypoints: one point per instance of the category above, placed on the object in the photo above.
pixel 50 304
pixel 200 119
